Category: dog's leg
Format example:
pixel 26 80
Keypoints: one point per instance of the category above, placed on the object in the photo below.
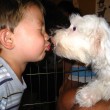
pixel 90 94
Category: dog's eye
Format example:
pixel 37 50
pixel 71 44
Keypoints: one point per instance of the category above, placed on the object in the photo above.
pixel 74 28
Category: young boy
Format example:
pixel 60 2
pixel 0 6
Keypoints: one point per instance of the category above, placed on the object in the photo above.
pixel 22 39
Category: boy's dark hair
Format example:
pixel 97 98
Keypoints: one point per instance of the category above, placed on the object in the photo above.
pixel 12 11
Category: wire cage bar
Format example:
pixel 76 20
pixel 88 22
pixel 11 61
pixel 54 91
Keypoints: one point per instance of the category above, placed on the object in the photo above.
pixel 44 80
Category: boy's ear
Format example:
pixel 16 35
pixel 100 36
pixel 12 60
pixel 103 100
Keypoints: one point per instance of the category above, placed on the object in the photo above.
pixel 6 38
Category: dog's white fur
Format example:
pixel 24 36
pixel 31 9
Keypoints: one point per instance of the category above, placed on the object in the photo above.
pixel 87 40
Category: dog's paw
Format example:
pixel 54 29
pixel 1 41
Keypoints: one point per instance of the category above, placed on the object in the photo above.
pixel 86 97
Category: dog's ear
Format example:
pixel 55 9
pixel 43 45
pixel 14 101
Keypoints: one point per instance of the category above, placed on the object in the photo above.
pixel 101 43
pixel 102 33
pixel 96 44
pixel 105 39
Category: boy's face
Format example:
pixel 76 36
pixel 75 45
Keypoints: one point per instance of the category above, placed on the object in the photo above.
pixel 30 36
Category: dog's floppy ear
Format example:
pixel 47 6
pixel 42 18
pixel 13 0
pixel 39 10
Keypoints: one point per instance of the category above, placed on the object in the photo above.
pixel 102 39
pixel 103 33
pixel 105 42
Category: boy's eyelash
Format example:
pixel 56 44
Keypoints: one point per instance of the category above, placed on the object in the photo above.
pixel 39 29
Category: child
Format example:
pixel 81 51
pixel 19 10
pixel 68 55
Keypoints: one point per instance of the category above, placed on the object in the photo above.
pixel 22 39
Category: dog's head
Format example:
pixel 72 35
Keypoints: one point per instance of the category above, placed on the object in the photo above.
pixel 85 40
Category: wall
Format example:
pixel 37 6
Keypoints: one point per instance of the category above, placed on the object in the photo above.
pixel 87 6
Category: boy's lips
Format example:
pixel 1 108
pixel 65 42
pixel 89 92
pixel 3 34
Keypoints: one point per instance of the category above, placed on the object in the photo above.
pixel 48 47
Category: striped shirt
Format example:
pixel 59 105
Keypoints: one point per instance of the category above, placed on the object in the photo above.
pixel 11 89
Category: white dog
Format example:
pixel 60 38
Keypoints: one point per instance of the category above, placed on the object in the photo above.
pixel 87 40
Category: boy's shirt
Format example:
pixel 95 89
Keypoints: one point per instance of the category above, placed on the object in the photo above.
pixel 11 89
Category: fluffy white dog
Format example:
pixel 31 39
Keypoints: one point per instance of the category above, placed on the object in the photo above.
pixel 87 40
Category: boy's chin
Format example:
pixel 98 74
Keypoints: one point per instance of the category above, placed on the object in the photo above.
pixel 41 57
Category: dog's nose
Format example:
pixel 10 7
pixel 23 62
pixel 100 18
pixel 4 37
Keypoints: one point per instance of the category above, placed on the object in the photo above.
pixel 52 40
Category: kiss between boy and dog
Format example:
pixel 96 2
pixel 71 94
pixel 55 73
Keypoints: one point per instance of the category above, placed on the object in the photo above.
pixel 23 39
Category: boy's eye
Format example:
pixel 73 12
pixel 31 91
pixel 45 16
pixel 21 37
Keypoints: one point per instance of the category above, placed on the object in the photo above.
pixel 40 30
pixel 74 28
